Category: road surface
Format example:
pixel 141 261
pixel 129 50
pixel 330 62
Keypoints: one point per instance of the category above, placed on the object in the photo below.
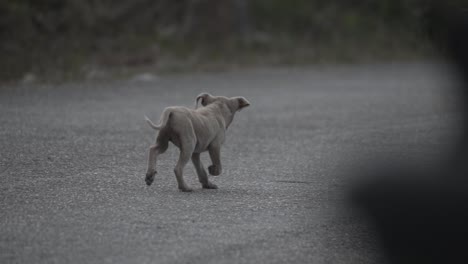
pixel 73 159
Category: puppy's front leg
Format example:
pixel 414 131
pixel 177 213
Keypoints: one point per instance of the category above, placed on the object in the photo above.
pixel 215 155
pixel 202 176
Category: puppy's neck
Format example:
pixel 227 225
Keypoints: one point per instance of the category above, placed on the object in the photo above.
pixel 226 112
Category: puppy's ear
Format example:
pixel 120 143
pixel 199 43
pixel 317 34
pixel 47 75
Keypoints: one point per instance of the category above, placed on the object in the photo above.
pixel 242 103
pixel 205 99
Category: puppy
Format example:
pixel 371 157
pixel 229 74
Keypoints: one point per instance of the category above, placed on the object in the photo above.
pixel 194 132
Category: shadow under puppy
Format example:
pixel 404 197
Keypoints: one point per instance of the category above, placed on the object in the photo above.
pixel 194 131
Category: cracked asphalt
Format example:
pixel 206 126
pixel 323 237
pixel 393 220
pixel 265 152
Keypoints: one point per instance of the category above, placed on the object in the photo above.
pixel 73 159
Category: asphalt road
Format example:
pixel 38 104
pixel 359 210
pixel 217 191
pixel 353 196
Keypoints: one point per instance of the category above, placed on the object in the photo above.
pixel 73 160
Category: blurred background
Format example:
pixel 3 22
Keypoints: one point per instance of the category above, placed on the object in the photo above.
pixel 332 84
pixel 62 39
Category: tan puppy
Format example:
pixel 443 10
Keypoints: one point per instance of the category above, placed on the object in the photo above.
pixel 194 132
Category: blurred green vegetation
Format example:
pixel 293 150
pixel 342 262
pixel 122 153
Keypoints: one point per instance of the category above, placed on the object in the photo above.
pixel 73 37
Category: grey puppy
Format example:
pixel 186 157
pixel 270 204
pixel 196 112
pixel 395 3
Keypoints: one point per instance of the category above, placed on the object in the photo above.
pixel 194 131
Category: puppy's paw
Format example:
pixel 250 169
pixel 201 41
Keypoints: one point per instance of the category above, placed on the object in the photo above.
pixel 150 178
pixel 214 170
pixel 185 189
pixel 210 185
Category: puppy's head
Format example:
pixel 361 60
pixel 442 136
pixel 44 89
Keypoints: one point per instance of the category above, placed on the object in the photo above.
pixel 238 103
pixel 234 103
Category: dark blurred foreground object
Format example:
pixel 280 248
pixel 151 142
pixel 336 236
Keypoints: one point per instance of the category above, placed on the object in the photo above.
pixel 422 216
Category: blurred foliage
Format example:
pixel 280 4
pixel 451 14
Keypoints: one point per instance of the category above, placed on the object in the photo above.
pixel 48 18
pixel 38 34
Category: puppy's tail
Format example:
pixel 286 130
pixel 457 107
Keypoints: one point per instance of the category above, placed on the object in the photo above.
pixel 151 124
pixel 165 117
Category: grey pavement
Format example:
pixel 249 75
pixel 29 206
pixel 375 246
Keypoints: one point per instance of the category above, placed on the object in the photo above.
pixel 73 158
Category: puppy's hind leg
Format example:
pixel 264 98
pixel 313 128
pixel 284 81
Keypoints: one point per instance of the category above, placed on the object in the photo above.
pixel 184 157
pixel 202 176
pixel 159 148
